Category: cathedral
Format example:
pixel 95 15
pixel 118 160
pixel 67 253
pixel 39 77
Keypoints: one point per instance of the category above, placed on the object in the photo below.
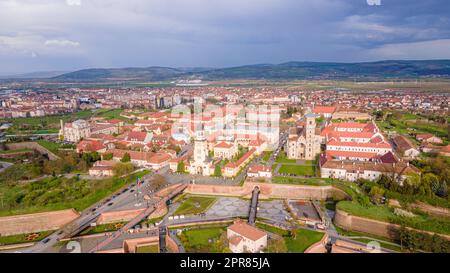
pixel 201 164
pixel 304 141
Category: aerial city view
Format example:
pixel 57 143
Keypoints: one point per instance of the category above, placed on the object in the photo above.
pixel 224 126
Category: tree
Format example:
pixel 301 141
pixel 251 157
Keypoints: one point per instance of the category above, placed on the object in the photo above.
pixel 123 168
pixel 126 158
pixel 217 171
pixel 376 193
pixel 432 181
pixel 158 182
pixel 181 167
pixel 108 156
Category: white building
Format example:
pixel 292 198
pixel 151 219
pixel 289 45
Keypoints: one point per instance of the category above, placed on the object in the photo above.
pixel 75 131
pixel 243 237
pixel 352 171
pixel 305 143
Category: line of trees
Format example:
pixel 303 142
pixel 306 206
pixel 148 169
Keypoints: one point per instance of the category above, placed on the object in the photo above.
pixel 413 240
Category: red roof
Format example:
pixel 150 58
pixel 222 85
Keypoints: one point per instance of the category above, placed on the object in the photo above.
pixel 324 109
pixel 159 158
pixel 90 146
pixel 348 154
pixel 259 168
pixel 358 144
pixel 136 136
pixel 247 231
pixel 224 145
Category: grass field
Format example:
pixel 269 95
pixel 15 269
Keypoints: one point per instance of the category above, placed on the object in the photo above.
pixel 15 151
pixel 22 238
pixel 194 205
pixel 47 124
pixel 300 170
pixel 385 214
pixel 148 249
pixel 102 228
pixel 303 239
pixel 379 239
pixel 57 193
pixel 300 181
pixel 281 158
pixel 54 147
pixel 204 240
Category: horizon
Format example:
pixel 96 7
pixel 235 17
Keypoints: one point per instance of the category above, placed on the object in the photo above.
pixel 212 68
pixel 71 35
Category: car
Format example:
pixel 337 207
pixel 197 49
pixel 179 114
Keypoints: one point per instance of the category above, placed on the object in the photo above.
pixel 46 240
pixel 110 204
pixel 94 209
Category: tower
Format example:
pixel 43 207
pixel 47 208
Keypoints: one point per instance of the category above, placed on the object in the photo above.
pixel 200 148
pixel 310 136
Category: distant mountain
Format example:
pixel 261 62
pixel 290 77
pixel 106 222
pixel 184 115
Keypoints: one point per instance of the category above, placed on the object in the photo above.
pixel 312 70
pixel 284 71
pixel 35 75
pixel 125 74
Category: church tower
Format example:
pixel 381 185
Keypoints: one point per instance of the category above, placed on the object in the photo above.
pixel 200 148
pixel 310 136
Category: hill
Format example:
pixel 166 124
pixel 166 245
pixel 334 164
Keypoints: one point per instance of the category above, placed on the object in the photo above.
pixel 284 71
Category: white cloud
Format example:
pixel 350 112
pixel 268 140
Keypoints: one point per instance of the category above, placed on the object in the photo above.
pixel 62 43
pixel 435 49
pixel 73 2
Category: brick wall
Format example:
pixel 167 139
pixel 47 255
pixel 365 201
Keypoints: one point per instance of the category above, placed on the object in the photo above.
pixel 118 216
pixel 34 146
pixel 37 222
pixel 269 190
pixel 365 225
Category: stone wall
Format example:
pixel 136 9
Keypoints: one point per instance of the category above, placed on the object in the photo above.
pixel 269 190
pixel 172 245
pixel 37 222
pixel 130 245
pixel 33 146
pixel 365 225
pixel 118 216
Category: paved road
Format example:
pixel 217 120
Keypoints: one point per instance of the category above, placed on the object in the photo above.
pixel 87 217
pixel 281 144
pixel 138 219
pixel 253 206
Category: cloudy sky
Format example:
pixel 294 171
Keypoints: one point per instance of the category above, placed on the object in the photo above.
pixel 49 35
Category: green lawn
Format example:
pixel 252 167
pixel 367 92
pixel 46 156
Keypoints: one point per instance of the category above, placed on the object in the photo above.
pixel 102 228
pixel 148 249
pixel 54 147
pixel 379 239
pixel 22 238
pixel 386 214
pixel 300 181
pixel 57 193
pixel 266 155
pixel 300 170
pixel 47 124
pixel 194 205
pixel 303 239
pixel 281 158
pixel 15 151
pixel 204 240
pixel 109 114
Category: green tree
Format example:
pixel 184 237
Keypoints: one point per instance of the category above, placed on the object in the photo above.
pixel 181 167
pixel 108 156
pixel 217 171
pixel 123 168
pixel 126 158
